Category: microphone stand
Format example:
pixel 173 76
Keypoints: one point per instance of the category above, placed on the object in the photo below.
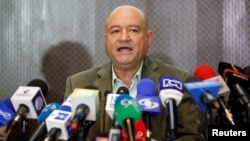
pixel 130 130
pixel 227 113
pixel 247 114
pixel 9 129
pixel 171 118
pixel 147 120
pixel 212 108
pixel 13 124
pixel 24 124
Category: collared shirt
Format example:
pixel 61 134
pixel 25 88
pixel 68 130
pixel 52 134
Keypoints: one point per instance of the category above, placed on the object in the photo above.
pixel 117 83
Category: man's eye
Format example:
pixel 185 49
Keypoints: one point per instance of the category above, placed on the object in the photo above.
pixel 133 30
pixel 115 31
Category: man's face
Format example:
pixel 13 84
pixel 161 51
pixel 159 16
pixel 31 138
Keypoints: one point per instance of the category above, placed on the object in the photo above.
pixel 126 39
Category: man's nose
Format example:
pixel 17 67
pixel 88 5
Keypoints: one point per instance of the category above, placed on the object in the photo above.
pixel 124 35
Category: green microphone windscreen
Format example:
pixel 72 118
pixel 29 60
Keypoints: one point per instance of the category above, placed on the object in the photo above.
pixel 126 107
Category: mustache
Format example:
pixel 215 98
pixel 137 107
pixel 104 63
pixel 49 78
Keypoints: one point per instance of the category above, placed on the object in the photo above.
pixel 126 44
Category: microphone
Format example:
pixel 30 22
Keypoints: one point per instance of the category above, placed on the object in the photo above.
pixel 122 90
pixel 204 70
pixel 41 84
pixel 148 101
pixel 111 100
pixel 204 93
pixel 225 68
pixel 204 89
pixel 42 129
pixel 28 101
pixel 7 113
pixel 246 69
pixel 171 93
pixel 8 103
pixel 58 122
pixel 81 113
pixel 247 72
pixel 58 125
pixel 47 110
pixel 90 99
pixel 205 73
pixel 115 130
pixel 238 82
pixel 140 132
pixel 127 112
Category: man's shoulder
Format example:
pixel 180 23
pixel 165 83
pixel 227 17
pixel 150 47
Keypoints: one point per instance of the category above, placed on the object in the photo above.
pixel 168 68
pixel 91 71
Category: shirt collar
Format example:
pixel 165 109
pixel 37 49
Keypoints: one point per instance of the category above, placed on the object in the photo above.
pixel 135 79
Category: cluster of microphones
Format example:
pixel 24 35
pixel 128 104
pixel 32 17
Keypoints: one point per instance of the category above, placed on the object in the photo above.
pixel 224 100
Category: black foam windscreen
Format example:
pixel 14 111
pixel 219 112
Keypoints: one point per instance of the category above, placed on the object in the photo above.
pixel 122 90
pixel 39 83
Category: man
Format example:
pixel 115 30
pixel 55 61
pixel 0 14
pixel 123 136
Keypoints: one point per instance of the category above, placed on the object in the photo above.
pixel 127 40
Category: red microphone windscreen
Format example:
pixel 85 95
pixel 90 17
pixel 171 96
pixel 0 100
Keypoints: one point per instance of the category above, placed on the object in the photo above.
pixel 204 71
pixel 140 132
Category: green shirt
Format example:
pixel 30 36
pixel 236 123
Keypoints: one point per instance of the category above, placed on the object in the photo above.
pixel 117 83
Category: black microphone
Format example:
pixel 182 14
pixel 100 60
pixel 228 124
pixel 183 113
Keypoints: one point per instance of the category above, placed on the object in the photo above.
pixel 115 130
pixel 246 69
pixel 42 129
pixel 28 102
pixel 39 83
pixel 53 134
pixel 85 100
pixel 238 82
pixel 122 90
pixel 150 103
pixel 171 93
pixel 206 73
pixel 81 113
pixel 247 72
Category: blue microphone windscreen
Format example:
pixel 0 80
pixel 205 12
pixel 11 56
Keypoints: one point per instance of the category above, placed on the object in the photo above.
pixel 47 110
pixel 146 87
pixel 146 97
pixel 8 103
pixel 6 115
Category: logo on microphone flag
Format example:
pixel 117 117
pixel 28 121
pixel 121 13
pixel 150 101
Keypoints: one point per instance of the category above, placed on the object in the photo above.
pixel 197 89
pixel 149 104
